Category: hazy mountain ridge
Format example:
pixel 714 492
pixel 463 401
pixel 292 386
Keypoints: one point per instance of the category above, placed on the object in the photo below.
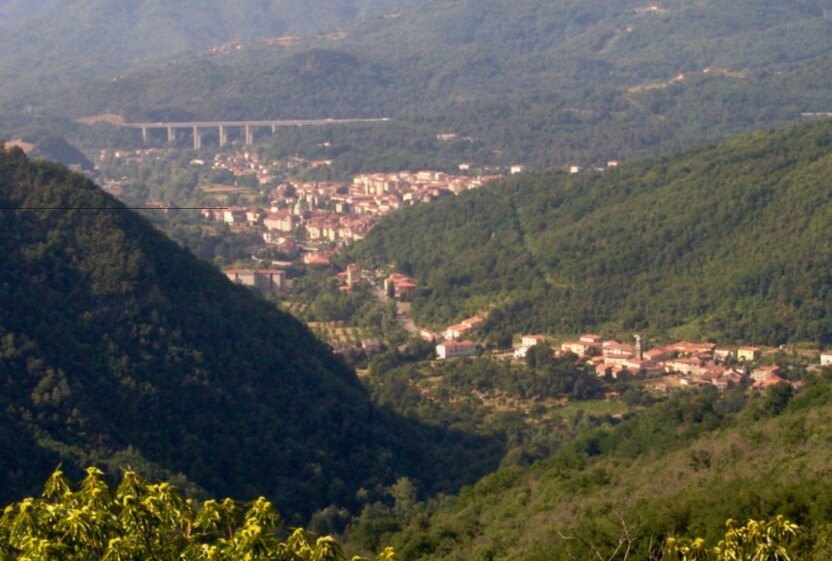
pixel 44 42
pixel 432 53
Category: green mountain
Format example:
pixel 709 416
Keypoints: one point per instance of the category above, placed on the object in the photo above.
pixel 730 241
pixel 438 52
pixel 494 47
pixel 119 348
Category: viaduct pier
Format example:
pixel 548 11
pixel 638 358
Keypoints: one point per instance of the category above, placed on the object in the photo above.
pixel 247 128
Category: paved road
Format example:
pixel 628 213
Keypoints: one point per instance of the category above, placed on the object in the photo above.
pixel 405 320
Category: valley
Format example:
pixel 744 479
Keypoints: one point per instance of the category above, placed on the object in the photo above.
pixel 415 280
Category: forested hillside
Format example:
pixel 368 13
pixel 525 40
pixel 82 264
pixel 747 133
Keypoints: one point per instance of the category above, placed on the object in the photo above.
pixel 119 348
pixel 681 468
pixel 430 54
pixel 42 41
pixel 730 241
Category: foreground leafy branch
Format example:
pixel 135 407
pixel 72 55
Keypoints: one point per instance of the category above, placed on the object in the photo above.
pixel 143 521
pixel 755 541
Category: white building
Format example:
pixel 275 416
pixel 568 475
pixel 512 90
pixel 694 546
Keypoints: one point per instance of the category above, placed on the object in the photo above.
pixel 450 349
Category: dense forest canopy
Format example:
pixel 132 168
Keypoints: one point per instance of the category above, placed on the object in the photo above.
pixel 118 347
pixel 729 241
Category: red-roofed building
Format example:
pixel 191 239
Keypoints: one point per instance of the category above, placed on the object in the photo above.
pixel 772 380
pixel 316 259
pixel 469 325
pixel 764 372
pixel 450 349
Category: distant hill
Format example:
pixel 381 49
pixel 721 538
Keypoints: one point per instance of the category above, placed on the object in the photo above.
pixel 119 348
pixel 57 149
pixel 437 51
pixel 54 148
pixel 43 40
pixel 729 241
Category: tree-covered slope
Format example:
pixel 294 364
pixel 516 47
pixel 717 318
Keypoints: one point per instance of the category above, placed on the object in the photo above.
pixel 441 51
pixel 120 348
pixel 44 40
pixel 487 48
pixel 683 467
pixel 731 241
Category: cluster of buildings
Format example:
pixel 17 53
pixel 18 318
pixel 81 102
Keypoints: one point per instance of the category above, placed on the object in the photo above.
pixel 241 164
pixel 454 344
pixel 335 212
pixel 686 362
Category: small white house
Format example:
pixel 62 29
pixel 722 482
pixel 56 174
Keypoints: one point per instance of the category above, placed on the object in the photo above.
pixel 826 358
pixel 530 340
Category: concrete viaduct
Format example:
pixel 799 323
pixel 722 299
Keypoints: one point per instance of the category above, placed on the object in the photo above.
pixel 248 127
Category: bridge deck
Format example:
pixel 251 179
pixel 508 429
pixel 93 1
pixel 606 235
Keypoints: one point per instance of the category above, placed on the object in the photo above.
pixel 275 123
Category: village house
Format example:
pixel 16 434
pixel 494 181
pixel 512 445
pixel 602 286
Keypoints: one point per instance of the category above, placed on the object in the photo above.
pixel 771 380
pixel 723 379
pixel 658 355
pixel 686 365
pixel 350 277
pixel 526 343
pixel 722 355
pixel 234 216
pixel 826 358
pixel 451 349
pixel 612 350
pixel 531 340
pixel 763 372
pixel 470 325
pixel 749 354
pixel 316 259
pixel 399 285
pixel 282 221
pixel 588 344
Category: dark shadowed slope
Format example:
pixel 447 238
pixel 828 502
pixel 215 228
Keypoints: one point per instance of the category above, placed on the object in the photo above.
pixel 121 348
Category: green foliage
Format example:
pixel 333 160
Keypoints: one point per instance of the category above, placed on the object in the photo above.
pixel 729 242
pixel 680 468
pixel 755 541
pixel 139 520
